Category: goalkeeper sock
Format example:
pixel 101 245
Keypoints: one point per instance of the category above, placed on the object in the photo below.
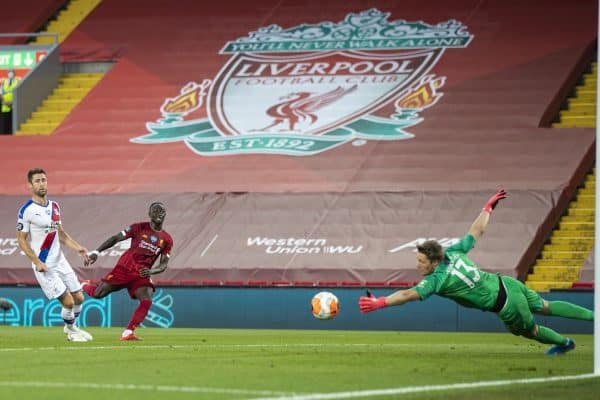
pixel 548 336
pixel 569 310
pixel 139 314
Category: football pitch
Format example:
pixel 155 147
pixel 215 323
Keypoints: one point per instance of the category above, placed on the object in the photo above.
pixel 38 363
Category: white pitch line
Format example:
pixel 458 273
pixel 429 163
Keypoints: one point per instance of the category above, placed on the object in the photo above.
pixel 82 346
pixel 137 387
pixel 208 246
pixel 428 388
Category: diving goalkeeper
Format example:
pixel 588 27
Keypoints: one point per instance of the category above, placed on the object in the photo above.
pixel 452 274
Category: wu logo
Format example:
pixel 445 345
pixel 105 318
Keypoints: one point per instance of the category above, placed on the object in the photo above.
pixel 310 88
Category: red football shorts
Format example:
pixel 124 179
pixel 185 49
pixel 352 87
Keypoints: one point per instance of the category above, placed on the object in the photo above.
pixel 128 278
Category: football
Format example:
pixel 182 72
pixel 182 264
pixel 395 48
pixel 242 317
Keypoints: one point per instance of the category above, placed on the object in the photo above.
pixel 325 305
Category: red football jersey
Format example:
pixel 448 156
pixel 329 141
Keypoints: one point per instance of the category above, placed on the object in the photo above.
pixel 146 245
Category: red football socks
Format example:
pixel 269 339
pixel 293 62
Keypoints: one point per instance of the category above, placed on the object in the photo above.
pixel 139 314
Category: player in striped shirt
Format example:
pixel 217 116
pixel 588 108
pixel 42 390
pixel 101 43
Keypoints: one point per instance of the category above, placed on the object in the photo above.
pixel 39 219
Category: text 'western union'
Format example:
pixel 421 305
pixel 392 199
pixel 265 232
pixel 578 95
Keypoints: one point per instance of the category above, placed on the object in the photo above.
pixel 300 246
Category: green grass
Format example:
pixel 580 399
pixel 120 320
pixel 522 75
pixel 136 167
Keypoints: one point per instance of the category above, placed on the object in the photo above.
pixel 38 363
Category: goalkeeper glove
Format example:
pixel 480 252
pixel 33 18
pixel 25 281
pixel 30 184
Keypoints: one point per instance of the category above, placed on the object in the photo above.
pixel 370 303
pixel 493 201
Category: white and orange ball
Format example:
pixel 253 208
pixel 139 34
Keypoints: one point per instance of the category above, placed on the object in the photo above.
pixel 325 305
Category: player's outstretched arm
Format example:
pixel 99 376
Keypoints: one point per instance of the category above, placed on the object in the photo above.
pixel 480 224
pixel 370 303
pixel 68 240
pixel 107 244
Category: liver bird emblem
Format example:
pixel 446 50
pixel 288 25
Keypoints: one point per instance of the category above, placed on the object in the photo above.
pixel 300 107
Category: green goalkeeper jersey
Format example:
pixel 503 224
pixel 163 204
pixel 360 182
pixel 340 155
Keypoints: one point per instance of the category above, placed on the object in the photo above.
pixel 459 279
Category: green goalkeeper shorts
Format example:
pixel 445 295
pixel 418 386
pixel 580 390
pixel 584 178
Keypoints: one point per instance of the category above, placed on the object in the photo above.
pixel 521 303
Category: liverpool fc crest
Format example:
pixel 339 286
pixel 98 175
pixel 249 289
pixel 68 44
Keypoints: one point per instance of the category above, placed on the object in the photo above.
pixel 309 88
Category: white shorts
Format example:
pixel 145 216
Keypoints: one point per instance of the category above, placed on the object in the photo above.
pixel 59 278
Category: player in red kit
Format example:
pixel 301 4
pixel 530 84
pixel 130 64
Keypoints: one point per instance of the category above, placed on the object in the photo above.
pixel 134 268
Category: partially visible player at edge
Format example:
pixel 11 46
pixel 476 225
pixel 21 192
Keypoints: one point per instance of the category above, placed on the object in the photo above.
pixel 40 219
pixel 135 266
pixel 453 275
